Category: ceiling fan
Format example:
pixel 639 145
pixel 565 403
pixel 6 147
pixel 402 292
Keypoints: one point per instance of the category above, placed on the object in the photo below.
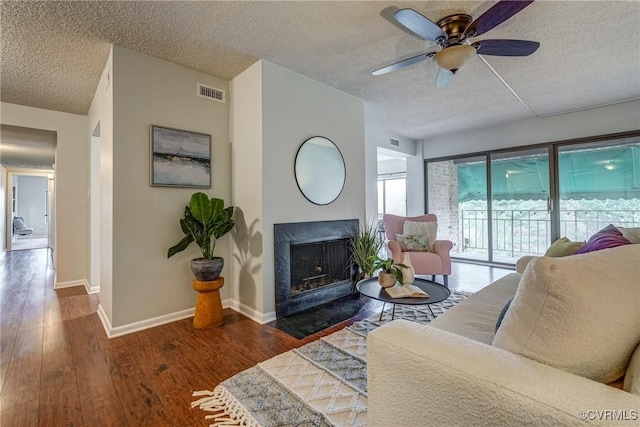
pixel 452 34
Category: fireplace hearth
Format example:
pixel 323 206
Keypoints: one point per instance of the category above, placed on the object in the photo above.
pixel 311 263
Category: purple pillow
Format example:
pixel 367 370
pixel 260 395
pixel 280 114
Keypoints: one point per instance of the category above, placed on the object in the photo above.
pixel 608 237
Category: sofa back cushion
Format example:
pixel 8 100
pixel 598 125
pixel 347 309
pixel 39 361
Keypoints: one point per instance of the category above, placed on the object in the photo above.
pixel 631 234
pixel 577 313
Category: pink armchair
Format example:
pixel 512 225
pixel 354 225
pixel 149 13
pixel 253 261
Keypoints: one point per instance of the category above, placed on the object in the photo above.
pixel 433 263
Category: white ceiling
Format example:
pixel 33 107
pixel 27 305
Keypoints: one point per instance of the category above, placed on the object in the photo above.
pixel 52 54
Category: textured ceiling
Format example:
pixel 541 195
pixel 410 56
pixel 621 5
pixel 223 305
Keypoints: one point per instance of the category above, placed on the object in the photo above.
pixel 27 148
pixel 52 54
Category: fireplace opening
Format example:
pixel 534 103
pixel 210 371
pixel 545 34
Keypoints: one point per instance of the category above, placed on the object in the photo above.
pixel 311 263
pixel 319 264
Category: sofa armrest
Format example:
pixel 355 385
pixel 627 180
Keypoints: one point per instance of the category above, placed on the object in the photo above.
pixel 522 262
pixel 419 375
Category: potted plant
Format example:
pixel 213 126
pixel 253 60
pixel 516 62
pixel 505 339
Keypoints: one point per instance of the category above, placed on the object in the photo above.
pixel 205 220
pixel 389 272
pixel 365 245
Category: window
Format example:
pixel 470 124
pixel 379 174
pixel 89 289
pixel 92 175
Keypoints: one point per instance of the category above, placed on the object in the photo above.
pixel 392 195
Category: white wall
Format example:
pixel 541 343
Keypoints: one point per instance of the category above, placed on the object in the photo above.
pixel 150 91
pixel 370 174
pixel 5 195
pixel 101 114
pixel 415 183
pixel 392 166
pixel 72 185
pixel 596 121
pixel 31 202
pixel 246 135
pixel 293 109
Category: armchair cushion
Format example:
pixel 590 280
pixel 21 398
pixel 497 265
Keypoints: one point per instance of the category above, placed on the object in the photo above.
pixel 565 315
pixel 413 242
pixel 19 224
pixel 422 231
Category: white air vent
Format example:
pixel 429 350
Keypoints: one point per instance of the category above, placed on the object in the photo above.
pixel 394 142
pixel 211 93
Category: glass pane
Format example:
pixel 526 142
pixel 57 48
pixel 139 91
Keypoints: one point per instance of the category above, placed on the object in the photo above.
pixel 396 196
pixel 599 185
pixel 521 223
pixel 380 199
pixel 457 195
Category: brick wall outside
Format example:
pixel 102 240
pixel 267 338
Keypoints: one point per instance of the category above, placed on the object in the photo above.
pixel 442 193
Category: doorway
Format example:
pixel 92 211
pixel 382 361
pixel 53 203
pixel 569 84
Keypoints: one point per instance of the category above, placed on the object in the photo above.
pixel 30 208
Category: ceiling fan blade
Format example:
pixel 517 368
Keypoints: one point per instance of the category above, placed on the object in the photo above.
pixel 495 16
pixel 403 64
pixel 506 47
pixel 419 24
pixel 444 77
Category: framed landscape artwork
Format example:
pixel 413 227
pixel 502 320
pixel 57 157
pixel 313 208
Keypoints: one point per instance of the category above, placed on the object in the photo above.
pixel 180 158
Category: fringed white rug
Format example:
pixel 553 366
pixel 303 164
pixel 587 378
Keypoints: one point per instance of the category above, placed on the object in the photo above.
pixel 323 383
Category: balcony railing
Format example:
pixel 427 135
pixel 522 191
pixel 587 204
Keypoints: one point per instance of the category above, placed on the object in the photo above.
pixel 520 232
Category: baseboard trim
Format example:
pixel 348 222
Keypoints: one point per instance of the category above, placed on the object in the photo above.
pixel 71 284
pixel 91 289
pixel 251 313
pixel 113 332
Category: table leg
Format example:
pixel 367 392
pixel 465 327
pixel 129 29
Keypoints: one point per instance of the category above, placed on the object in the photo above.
pixel 393 312
pixel 381 312
pixel 432 315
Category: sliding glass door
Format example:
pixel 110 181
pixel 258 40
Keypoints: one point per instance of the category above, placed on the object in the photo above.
pixel 520 204
pixel 457 195
pixel 599 184
pixel 500 205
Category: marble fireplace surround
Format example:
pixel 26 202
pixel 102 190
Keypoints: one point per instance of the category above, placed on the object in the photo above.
pixel 305 232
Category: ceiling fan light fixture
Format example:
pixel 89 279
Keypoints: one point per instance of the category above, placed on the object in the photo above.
pixel 454 57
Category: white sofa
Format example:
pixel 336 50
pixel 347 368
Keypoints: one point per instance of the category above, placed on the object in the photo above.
pixel 448 373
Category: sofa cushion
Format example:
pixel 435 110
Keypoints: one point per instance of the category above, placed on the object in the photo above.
pixel 503 312
pixel 577 313
pixel 631 234
pixel 608 237
pixel 563 247
pixel 632 376
pixel 475 317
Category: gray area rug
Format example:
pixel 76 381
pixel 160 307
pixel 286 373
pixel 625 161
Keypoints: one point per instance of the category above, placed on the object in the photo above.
pixel 323 383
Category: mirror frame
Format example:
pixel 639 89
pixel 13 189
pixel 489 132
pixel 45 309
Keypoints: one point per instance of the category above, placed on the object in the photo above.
pixel 344 167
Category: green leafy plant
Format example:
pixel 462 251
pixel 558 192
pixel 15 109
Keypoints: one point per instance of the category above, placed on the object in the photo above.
pixel 386 265
pixel 365 244
pixel 205 220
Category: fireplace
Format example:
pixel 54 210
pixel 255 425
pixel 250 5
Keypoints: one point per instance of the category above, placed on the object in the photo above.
pixel 311 263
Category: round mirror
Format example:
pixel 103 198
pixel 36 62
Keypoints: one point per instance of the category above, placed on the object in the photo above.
pixel 320 170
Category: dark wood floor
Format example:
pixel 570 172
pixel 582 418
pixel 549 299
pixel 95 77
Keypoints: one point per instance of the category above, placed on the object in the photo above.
pixel 59 369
